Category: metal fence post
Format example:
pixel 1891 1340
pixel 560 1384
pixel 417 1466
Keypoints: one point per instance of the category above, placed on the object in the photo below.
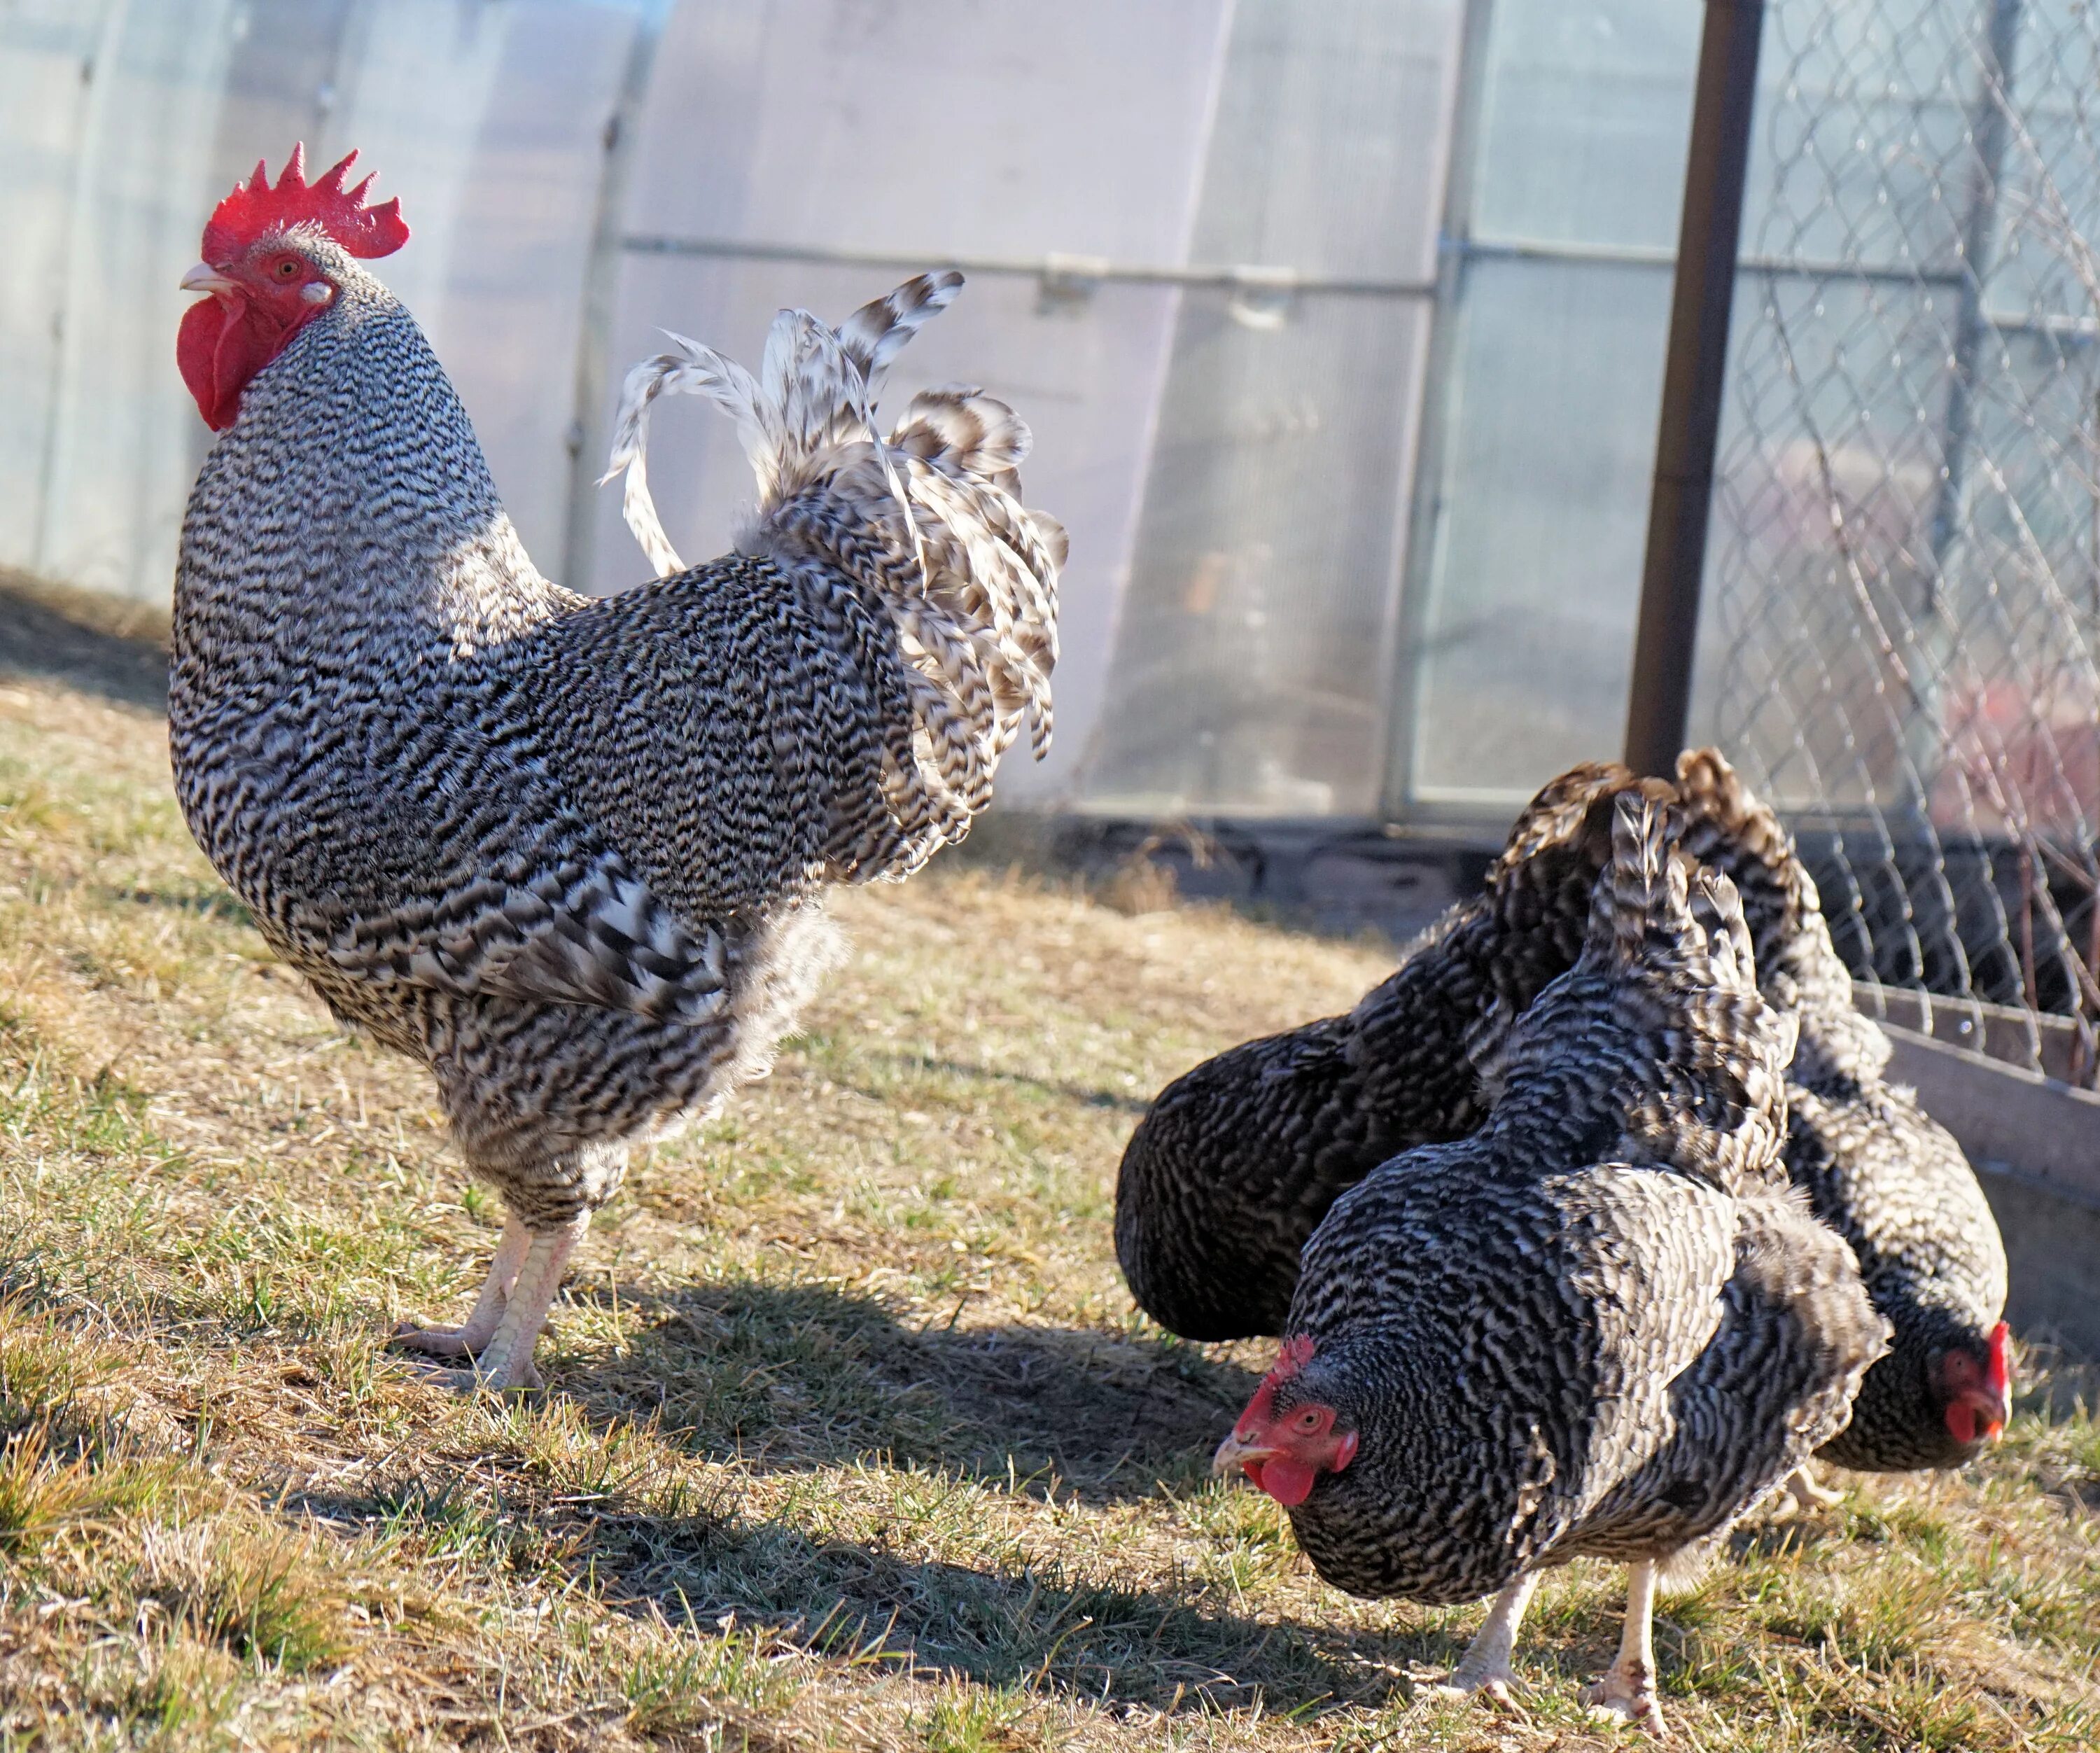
pixel 1694 377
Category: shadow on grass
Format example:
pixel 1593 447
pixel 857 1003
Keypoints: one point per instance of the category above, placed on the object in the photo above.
pixel 85 641
pixel 789 1378
pixel 699 1563
pixel 1082 1095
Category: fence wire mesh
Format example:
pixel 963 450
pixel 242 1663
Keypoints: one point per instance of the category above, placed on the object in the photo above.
pixel 1906 588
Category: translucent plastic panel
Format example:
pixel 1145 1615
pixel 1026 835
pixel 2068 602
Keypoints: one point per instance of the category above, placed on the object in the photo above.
pixel 123 437
pixel 1526 635
pixel 1328 151
pixel 1252 666
pixel 1585 114
pixel 941 125
pixel 489 121
pixel 47 64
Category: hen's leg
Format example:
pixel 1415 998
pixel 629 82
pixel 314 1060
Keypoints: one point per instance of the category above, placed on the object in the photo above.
pixel 507 1360
pixel 1627 1691
pixel 480 1326
pixel 1485 1665
pixel 1808 1496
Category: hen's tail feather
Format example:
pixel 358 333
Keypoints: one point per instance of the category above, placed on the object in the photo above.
pixel 1644 891
pixel 928 525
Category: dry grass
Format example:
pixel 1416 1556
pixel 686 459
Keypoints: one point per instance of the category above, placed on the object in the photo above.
pixel 852 1439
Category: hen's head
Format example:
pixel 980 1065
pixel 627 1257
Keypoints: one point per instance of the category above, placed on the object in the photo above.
pixel 1975 1389
pixel 1289 1434
pixel 270 254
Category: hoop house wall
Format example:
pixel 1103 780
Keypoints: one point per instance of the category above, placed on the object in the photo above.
pixel 121 121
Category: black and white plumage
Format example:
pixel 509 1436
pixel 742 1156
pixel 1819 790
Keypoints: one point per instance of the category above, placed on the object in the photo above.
pixel 1604 1325
pixel 569 853
pixel 1236 1161
pixel 1876 1167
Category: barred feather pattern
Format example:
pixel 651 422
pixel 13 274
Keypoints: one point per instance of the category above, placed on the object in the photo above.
pixel 927 524
pixel 570 855
pixel 1876 1167
pixel 1237 1160
pixel 1551 1345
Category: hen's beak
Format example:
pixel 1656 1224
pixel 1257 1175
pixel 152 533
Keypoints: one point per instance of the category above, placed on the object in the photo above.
pixel 1233 1454
pixel 204 277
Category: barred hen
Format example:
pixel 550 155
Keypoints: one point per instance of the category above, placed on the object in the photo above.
pixel 571 854
pixel 1604 1325
pixel 1236 1161
pixel 1877 1168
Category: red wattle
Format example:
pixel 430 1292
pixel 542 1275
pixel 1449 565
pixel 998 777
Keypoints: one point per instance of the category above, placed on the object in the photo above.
pixel 1962 1421
pixel 1290 1482
pixel 221 345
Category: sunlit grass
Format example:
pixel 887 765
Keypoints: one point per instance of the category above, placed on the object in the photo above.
pixel 852 1437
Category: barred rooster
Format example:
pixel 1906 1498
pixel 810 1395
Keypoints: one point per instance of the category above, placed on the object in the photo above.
pixel 1236 1161
pixel 1604 1325
pixel 571 854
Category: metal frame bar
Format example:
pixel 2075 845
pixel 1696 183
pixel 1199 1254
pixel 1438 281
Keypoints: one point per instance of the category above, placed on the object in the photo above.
pixel 1422 540
pixel 587 430
pixel 1694 385
pixel 1069 270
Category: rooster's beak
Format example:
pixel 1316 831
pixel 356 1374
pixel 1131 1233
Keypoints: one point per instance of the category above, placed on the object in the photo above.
pixel 204 277
pixel 1232 1455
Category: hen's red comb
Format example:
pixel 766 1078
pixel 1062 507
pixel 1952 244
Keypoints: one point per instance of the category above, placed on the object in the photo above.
pixel 255 207
pixel 1999 1373
pixel 1297 1352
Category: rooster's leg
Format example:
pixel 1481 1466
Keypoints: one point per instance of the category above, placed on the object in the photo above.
pixel 1626 1694
pixel 480 1328
pixel 1484 1668
pixel 507 1360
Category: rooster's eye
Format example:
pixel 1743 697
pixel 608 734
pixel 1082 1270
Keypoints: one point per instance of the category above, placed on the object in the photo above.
pixel 287 268
pixel 1309 1418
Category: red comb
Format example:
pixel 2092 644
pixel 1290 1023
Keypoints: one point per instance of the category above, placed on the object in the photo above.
pixel 255 207
pixel 1296 1354
pixel 2000 1374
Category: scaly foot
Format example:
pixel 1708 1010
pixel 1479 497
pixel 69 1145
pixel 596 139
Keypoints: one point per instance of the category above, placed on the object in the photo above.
pixel 1808 1496
pixel 480 1326
pixel 1626 1694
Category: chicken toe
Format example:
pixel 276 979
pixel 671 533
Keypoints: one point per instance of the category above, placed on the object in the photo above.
pixel 480 1326
pixel 505 1361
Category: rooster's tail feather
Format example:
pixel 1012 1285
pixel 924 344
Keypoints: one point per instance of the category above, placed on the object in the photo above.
pixel 929 525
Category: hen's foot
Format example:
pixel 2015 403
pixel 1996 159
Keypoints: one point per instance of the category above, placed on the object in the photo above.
pixel 1483 1672
pixel 480 1326
pixel 1494 1689
pixel 506 1362
pixel 1807 1495
pixel 1626 1694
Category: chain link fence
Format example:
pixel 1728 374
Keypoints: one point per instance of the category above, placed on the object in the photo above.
pixel 1905 595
